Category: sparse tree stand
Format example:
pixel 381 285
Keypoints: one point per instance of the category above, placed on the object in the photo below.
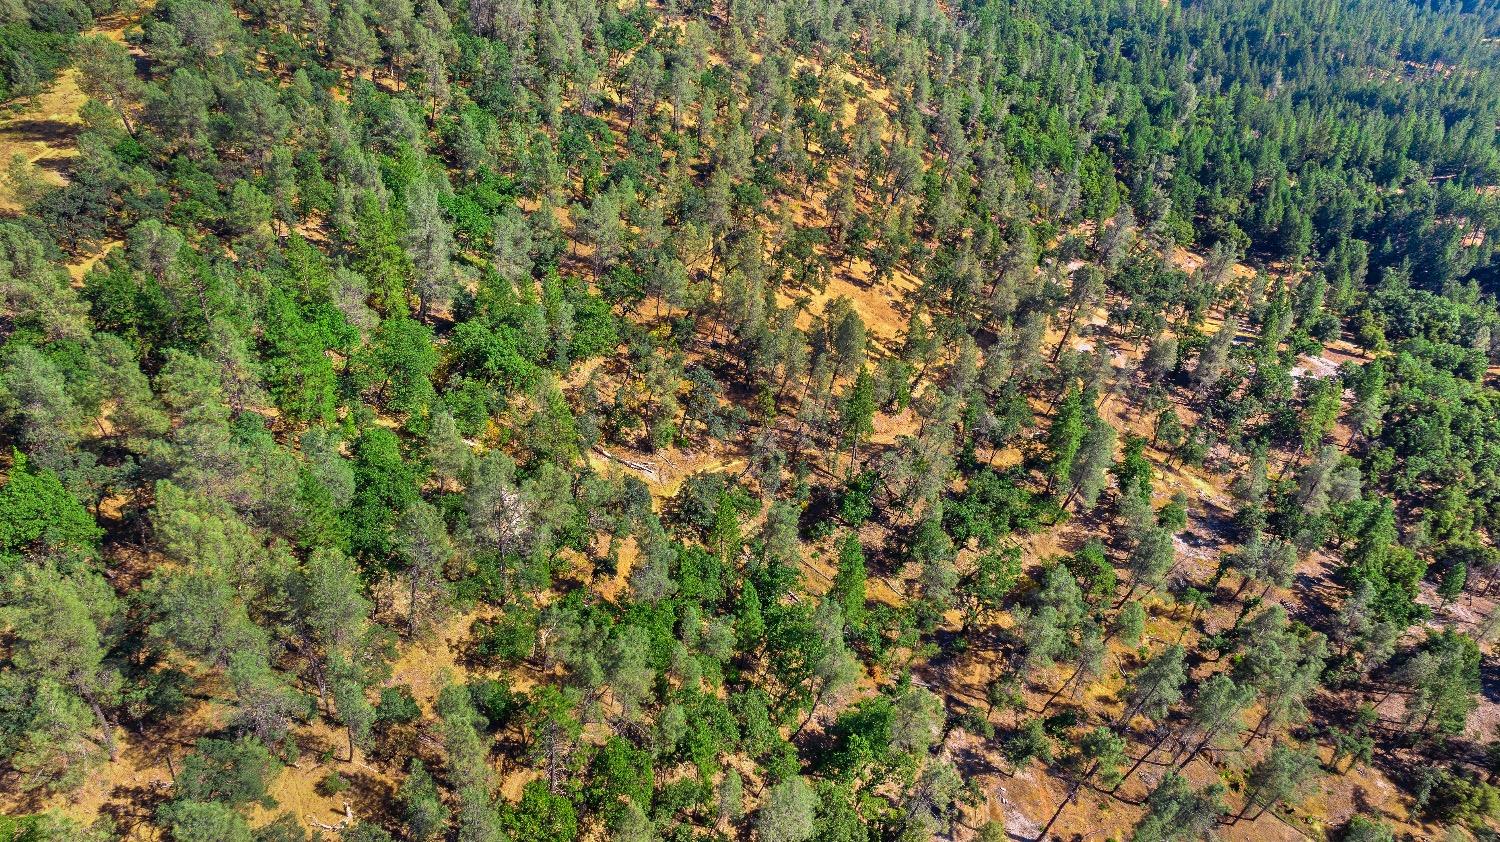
pixel 1217 710
pixel 1283 776
pixel 1175 811
pixel 1104 750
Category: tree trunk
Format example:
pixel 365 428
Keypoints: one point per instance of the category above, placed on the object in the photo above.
pixel 1068 799
pixel 1244 583
pixel 321 679
pixel 1431 709
pixel 811 711
pixel 1142 759
pixel 554 760
pixel 1259 726
pixel 1068 501
pixel 1130 712
pixel 1062 343
pixel 1058 692
pixel 1202 744
pixel 106 731
pixel 411 608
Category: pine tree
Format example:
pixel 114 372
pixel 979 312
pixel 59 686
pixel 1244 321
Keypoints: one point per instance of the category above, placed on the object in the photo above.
pixel 857 413
pixel 849 580
pixel 1283 776
pixel 1176 812
pixel 429 242
pixel 1064 437
pixel 1096 453
pixel 788 812
pixel 351 42
pixel 1214 358
pixel 62 628
pixel 425 549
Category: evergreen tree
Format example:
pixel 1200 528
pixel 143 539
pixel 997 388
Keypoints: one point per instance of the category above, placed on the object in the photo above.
pixel 1064 437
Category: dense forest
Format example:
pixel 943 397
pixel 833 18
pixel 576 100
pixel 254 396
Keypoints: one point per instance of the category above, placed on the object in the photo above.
pixel 758 420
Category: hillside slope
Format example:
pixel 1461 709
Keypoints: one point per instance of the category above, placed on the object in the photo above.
pixel 772 421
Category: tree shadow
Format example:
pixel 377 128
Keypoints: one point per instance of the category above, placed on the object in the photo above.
pixel 971 761
pixel 368 795
pixel 133 806
pixel 1489 679
pixel 42 130
pixel 60 165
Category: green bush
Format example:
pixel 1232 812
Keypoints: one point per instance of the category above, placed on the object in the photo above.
pixel 332 784
pixel 397 705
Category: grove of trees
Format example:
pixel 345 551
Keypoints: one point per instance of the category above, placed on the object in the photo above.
pixel 786 419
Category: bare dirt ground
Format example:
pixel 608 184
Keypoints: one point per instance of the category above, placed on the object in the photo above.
pixel 664 471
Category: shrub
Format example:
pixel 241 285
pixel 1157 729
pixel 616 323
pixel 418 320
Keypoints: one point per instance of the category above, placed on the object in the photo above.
pixel 397 705
pixel 332 784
